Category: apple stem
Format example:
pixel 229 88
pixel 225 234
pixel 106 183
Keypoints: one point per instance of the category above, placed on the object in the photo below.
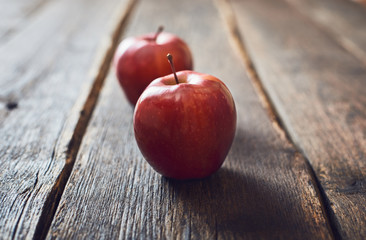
pixel 160 29
pixel 170 59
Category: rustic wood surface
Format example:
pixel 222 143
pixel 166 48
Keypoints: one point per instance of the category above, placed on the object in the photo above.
pixel 318 89
pixel 345 20
pixel 263 191
pixel 14 15
pixel 71 168
pixel 45 78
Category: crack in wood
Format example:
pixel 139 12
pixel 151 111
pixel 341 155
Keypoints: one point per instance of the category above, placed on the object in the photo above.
pixel 326 205
pixel 30 188
pixel 54 197
pixel 20 217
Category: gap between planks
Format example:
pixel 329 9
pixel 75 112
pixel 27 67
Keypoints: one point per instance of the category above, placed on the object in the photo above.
pixel 119 22
pixel 227 13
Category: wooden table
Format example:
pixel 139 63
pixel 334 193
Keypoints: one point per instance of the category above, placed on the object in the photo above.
pixel 70 167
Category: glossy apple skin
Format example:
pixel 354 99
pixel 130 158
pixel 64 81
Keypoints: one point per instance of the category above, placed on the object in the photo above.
pixel 140 60
pixel 185 130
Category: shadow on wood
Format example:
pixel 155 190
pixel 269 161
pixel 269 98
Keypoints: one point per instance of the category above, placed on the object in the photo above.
pixel 239 203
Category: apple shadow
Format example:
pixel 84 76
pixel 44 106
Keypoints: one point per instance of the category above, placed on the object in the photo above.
pixel 246 198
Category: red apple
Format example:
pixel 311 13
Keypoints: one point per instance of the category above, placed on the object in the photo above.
pixel 184 124
pixel 139 60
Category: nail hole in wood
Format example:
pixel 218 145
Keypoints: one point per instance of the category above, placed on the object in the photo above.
pixel 11 105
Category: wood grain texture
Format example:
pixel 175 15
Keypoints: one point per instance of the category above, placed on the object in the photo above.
pixel 345 20
pixel 46 72
pixel 319 92
pixel 263 191
pixel 15 15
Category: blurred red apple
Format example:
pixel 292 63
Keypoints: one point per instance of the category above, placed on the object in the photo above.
pixel 184 124
pixel 139 60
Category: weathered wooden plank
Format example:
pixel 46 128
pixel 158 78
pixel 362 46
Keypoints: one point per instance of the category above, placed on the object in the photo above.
pixel 15 15
pixel 47 71
pixel 345 20
pixel 318 89
pixel 263 191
